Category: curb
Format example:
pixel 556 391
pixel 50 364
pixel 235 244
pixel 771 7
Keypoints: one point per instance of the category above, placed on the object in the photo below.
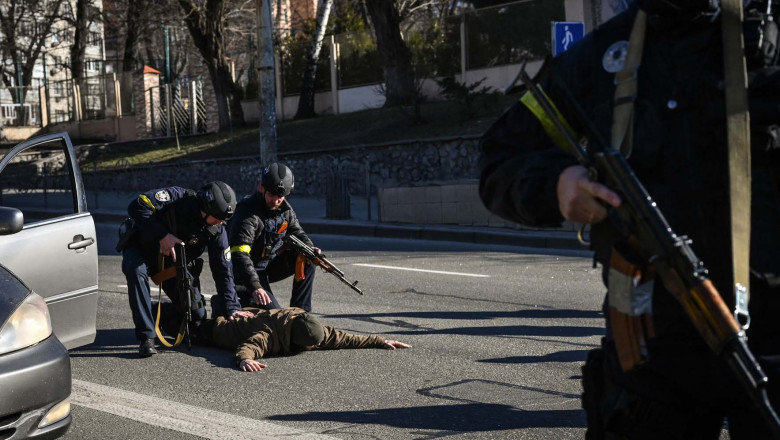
pixel 463 234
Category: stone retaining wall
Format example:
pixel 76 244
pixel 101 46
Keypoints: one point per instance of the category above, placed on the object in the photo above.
pixel 364 167
pixel 432 181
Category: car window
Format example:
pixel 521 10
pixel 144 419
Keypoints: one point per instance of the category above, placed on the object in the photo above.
pixel 39 182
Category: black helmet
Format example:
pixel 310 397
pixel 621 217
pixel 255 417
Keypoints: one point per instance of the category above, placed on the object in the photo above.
pixel 278 179
pixel 218 200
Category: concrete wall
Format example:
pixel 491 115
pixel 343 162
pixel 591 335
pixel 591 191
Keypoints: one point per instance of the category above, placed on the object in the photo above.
pixel 360 98
pixel 457 203
pixel 453 203
pixel 425 182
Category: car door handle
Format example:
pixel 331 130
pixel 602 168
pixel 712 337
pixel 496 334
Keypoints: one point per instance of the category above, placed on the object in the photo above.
pixel 79 242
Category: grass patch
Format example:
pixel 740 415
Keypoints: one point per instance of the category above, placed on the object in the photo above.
pixel 372 126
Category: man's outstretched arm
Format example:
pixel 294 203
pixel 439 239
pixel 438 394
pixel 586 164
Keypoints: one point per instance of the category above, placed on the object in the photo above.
pixel 339 339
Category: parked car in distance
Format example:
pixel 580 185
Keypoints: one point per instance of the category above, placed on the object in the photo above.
pixel 48 284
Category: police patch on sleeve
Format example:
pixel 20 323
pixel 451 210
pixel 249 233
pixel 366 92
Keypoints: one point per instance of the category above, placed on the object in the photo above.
pixel 162 196
pixel 615 56
pixel 226 254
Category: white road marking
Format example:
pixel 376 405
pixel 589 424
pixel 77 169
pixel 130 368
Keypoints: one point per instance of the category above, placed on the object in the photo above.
pixel 423 270
pixel 180 417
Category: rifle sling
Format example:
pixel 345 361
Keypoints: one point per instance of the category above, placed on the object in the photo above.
pixel 738 126
pixel 628 329
pixel 626 88
pixel 160 336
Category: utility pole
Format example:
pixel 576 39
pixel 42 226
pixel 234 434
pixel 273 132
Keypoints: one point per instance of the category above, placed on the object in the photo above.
pixel 167 47
pixel 266 87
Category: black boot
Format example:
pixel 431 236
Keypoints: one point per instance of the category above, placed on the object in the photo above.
pixel 147 348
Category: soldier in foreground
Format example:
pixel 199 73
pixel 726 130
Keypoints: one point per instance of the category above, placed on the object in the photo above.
pixel 674 386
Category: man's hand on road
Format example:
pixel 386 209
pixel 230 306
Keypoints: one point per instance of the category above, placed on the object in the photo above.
pixel 166 245
pixel 392 345
pixel 251 365
pixel 581 200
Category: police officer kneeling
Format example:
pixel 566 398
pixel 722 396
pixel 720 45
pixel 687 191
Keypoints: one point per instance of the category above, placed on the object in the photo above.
pixel 256 236
pixel 161 219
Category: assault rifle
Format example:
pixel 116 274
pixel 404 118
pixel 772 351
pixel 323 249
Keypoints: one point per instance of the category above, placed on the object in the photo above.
pixel 319 259
pixel 681 271
pixel 184 289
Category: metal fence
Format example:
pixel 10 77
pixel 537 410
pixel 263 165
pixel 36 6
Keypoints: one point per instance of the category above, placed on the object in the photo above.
pixel 59 101
pixel 97 95
pixel 20 106
pixel 178 108
pixel 509 34
pixel 488 37
pixel 293 57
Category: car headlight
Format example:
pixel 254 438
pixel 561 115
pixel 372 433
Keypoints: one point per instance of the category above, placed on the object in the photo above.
pixel 29 324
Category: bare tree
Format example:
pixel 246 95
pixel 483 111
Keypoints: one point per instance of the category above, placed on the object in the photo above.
pixel 25 25
pixel 86 15
pixel 306 101
pixel 205 20
pixel 137 30
pixel 396 56
pixel 133 29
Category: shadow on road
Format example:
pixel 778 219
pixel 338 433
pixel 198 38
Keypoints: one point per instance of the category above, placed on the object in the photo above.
pixel 451 419
pixel 117 342
pixel 476 315
pixel 510 330
pixel 121 343
pixel 561 356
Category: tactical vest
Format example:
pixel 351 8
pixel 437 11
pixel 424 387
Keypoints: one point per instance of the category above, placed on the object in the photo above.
pixel 269 241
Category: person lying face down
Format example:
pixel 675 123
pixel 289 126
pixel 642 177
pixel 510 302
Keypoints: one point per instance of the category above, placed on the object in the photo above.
pixel 281 332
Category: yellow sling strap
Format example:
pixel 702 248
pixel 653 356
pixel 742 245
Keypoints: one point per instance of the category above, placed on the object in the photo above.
pixel 160 336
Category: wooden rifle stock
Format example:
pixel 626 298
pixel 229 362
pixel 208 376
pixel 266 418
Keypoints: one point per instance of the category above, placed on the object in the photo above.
pixel 319 259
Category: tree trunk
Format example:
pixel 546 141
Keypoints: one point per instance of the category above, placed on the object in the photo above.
pixel 396 56
pixel 266 84
pixel 306 101
pixel 80 34
pixel 206 26
pixel 133 24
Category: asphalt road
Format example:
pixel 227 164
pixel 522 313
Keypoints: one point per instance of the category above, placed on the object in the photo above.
pixel 498 334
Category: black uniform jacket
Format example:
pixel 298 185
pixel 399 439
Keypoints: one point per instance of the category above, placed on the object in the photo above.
pixel 176 210
pixel 255 235
pixel 679 152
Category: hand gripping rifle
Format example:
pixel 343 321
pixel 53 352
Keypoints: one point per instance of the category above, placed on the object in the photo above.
pixel 672 258
pixel 184 289
pixel 319 259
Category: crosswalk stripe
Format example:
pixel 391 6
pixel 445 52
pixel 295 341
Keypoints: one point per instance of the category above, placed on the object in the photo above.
pixel 181 417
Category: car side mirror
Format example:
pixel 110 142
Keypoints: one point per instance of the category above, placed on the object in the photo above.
pixel 11 220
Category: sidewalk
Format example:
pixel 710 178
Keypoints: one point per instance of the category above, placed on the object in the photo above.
pixel 109 206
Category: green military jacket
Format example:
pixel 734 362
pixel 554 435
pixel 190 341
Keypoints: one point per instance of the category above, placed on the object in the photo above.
pixel 268 334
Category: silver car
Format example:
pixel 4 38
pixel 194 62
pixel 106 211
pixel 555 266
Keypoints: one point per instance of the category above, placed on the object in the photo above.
pixel 48 284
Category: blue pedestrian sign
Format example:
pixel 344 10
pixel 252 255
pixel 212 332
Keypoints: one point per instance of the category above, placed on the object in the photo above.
pixel 565 34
